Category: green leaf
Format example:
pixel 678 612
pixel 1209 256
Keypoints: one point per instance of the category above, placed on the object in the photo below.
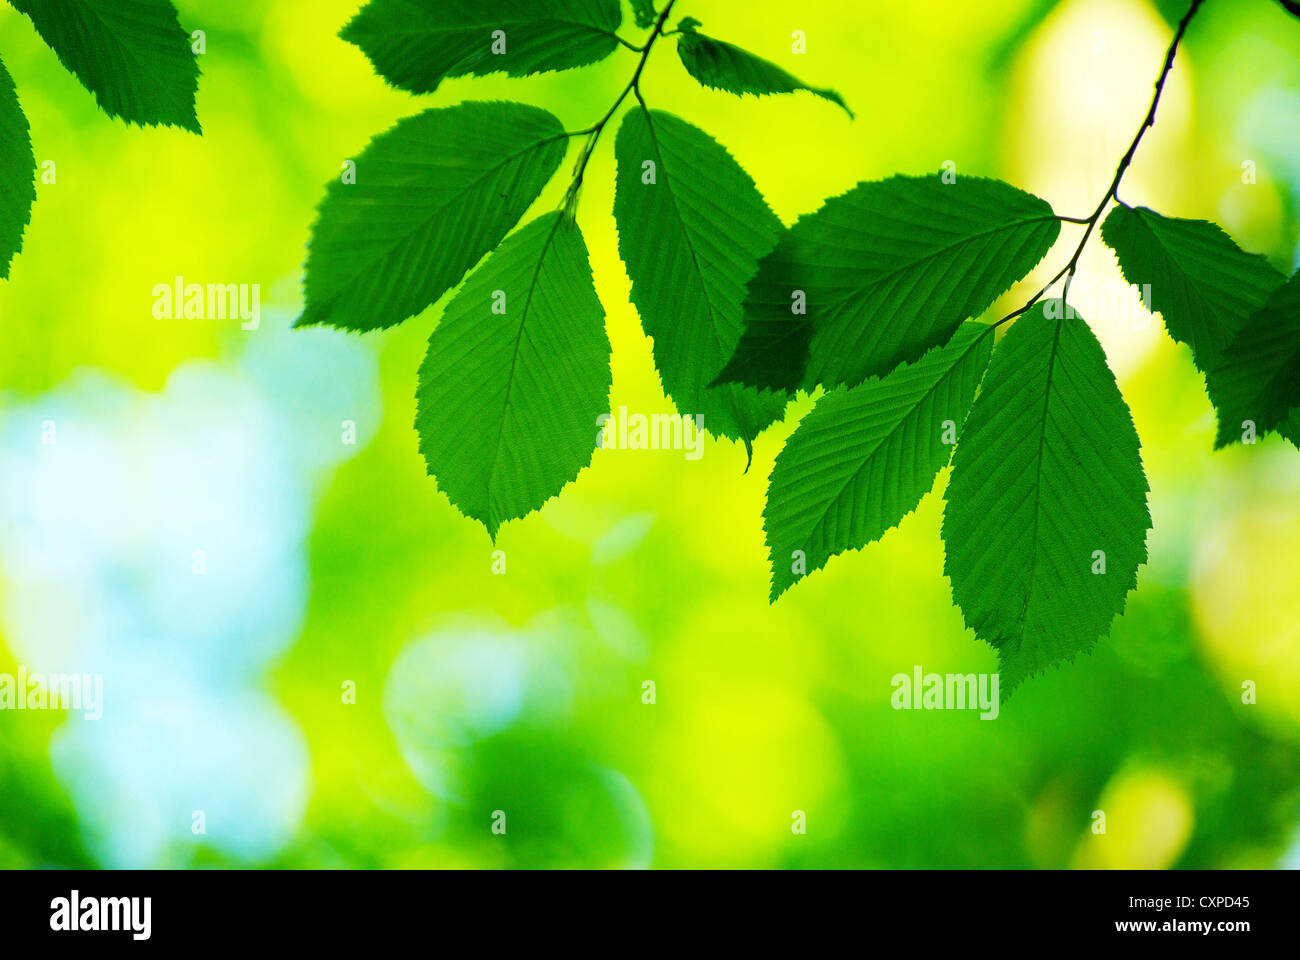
pixel 1257 378
pixel 416 44
pixel 432 196
pixel 863 458
pixel 17 173
pixel 691 238
pixel 131 54
pixel 1291 428
pixel 516 376
pixel 643 13
pixel 889 270
pixel 1048 472
pixel 724 66
pixel 1204 286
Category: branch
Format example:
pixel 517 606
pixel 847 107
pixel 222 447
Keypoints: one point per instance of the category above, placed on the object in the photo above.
pixel 594 132
pixel 1112 192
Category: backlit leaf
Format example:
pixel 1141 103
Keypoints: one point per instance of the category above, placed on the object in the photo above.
pixel 1046 515
pixel 416 44
pixel 432 196
pixel 1257 378
pixel 725 66
pixel 1206 288
pixel 131 54
pixel 885 272
pixel 691 229
pixel 17 172
pixel 516 376
pixel 863 458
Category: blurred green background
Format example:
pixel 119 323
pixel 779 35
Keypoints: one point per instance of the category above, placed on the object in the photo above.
pixel 330 563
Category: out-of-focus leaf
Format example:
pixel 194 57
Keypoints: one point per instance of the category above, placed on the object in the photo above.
pixel 643 13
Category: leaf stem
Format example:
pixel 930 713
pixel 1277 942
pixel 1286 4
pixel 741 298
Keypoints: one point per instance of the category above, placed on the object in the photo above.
pixel 593 133
pixel 1112 192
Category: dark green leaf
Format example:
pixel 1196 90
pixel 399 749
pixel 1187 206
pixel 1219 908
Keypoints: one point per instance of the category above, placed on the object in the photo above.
pixel 1048 473
pixel 1291 428
pixel 691 238
pixel 416 44
pixel 643 13
pixel 724 66
pixel 888 270
pixel 1257 378
pixel 17 172
pixel 516 375
pixel 1202 283
pixel 131 54
pixel 1204 286
pixel 432 195
pixel 865 456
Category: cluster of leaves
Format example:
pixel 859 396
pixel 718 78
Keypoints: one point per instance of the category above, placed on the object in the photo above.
pixel 518 369
pixel 871 298
pixel 131 54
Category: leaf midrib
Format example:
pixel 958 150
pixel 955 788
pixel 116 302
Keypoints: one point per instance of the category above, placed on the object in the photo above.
pixel 514 361
pixel 1038 485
